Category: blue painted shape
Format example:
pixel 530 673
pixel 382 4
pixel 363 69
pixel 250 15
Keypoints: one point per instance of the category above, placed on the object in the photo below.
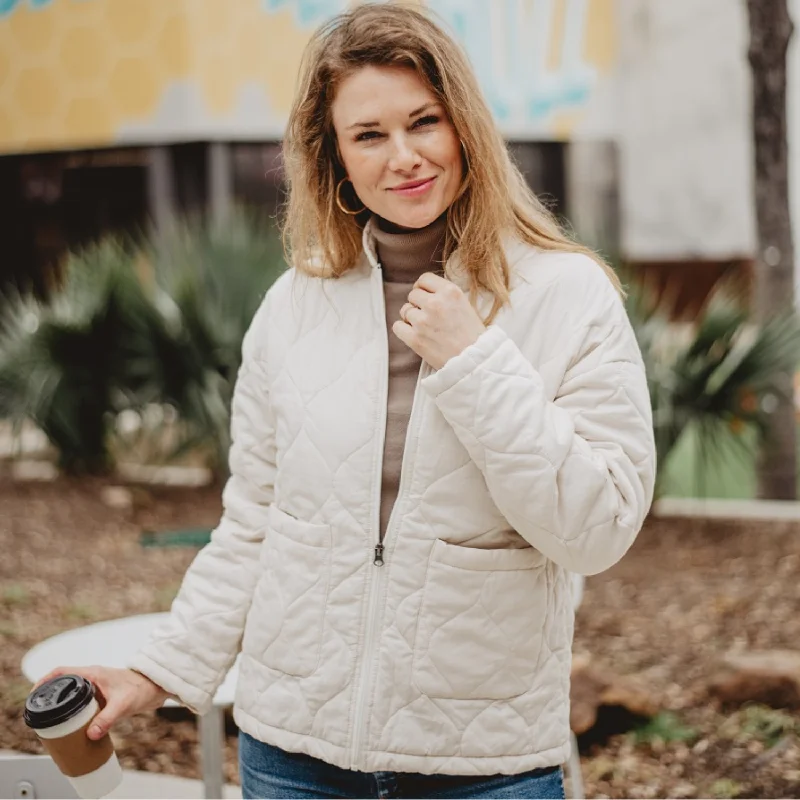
pixel 575 94
pixel 7 6
pixel 514 84
pixel 470 21
pixel 308 13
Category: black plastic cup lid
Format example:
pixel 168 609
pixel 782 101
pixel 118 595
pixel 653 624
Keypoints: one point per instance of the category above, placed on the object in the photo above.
pixel 57 701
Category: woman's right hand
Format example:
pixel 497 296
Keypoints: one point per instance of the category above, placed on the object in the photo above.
pixel 123 691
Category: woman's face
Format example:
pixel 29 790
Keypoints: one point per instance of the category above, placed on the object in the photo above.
pixel 398 145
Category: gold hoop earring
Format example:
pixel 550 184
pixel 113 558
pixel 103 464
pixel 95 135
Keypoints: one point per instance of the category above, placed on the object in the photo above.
pixel 342 206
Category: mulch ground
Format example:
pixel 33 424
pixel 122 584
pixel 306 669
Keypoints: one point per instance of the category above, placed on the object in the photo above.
pixel 686 593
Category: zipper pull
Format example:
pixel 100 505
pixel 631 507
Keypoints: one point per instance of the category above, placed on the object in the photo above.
pixel 378 561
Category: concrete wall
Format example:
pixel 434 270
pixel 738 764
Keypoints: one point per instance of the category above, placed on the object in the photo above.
pixel 684 138
pixel 684 132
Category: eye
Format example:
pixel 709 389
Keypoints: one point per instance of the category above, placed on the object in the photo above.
pixel 367 136
pixel 431 119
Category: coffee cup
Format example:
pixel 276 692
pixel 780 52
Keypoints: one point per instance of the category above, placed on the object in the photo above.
pixel 59 711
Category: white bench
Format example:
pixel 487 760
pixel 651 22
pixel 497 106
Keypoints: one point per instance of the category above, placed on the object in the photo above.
pixel 111 644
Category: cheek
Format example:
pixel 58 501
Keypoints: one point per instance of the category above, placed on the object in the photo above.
pixel 361 168
pixel 449 153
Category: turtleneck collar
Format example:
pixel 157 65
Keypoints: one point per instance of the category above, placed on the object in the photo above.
pixel 406 255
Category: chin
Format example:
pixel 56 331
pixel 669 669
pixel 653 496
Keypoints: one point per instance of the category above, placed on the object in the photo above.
pixel 417 218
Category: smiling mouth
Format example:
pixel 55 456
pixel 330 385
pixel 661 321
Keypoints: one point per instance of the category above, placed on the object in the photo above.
pixel 413 187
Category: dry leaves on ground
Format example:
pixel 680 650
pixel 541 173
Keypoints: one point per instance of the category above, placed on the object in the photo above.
pixel 685 594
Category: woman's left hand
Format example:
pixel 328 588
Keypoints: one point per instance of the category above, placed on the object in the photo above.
pixel 438 321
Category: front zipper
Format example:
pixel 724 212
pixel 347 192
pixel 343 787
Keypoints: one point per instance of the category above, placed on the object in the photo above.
pixel 375 588
pixel 424 371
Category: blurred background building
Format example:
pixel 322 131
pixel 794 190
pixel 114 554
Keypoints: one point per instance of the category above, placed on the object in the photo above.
pixel 631 116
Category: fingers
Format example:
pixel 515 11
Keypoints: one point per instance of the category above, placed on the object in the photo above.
pixel 102 723
pixel 119 693
pixel 58 671
pixel 403 331
pixel 443 297
pixel 93 674
pixel 418 297
pixel 50 675
pixel 407 313
pixel 431 282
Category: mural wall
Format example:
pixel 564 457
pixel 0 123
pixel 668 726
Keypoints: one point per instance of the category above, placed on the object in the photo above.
pixel 83 73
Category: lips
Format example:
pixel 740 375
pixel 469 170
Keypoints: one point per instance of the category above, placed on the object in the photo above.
pixel 414 187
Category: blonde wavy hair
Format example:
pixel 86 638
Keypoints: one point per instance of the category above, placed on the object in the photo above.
pixel 494 197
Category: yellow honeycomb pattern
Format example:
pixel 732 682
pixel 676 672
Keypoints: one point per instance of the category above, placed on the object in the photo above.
pixel 75 73
pixel 86 73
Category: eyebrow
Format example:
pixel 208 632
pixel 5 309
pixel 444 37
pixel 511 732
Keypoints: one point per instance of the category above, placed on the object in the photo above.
pixel 413 114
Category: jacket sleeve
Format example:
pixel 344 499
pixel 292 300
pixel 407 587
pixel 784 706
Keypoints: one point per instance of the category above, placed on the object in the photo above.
pixel 574 476
pixel 190 654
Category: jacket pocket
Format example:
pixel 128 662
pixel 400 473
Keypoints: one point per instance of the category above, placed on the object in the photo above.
pixel 481 622
pixel 285 624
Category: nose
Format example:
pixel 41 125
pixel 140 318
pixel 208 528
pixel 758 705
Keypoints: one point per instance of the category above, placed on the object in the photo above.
pixel 404 157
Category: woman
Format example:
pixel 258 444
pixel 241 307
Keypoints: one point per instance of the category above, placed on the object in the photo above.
pixel 441 413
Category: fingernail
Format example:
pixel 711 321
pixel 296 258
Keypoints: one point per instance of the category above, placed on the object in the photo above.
pixel 95 732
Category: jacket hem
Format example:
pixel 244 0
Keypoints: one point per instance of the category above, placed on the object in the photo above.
pixel 382 761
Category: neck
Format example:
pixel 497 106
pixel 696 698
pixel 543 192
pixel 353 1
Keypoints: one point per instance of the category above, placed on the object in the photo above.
pixel 406 253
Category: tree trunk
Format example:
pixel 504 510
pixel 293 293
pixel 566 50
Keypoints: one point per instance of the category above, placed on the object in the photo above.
pixel 770 31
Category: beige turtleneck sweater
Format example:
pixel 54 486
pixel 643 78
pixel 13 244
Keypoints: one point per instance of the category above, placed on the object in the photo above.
pixel 403 257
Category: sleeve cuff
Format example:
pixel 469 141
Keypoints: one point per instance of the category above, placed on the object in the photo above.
pixel 196 700
pixel 458 367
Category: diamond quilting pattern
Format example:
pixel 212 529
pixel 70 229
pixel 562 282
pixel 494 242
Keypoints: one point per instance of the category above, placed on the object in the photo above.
pixel 470 673
pixel 473 640
pixel 292 594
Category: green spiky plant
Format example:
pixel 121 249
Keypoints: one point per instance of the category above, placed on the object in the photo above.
pixel 165 327
pixel 716 382
pixel 208 281
pixel 128 329
pixel 71 364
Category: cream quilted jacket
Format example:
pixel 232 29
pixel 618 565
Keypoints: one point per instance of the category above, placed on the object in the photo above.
pixel 529 455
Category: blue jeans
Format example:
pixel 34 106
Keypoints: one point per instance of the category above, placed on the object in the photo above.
pixel 268 772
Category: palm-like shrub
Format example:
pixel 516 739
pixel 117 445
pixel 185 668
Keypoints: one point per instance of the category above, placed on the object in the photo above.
pixel 207 283
pixel 128 330
pixel 164 327
pixel 74 362
pixel 715 377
